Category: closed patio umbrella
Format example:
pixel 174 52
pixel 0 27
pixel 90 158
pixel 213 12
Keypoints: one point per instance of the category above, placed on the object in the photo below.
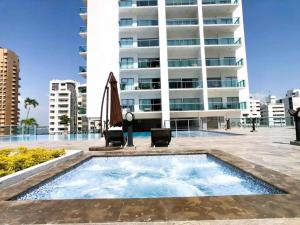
pixel 116 118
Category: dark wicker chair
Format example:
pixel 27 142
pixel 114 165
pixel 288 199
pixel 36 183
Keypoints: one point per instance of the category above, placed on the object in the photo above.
pixel 115 137
pixel 161 137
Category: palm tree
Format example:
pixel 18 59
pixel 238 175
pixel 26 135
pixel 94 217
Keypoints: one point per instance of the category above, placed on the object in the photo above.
pixel 64 120
pixel 28 102
pixel 27 123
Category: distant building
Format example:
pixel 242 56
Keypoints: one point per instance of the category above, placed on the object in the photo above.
pixel 9 91
pixel 291 100
pixel 82 122
pixel 273 113
pixel 255 108
pixel 62 101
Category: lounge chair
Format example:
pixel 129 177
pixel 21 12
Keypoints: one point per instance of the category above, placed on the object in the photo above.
pixel 115 136
pixel 160 137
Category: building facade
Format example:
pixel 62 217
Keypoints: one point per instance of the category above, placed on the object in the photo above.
pixel 62 101
pixel 82 122
pixel 9 91
pixel 255 111
pixel 291 101
pixel 273 113
pixel 174 59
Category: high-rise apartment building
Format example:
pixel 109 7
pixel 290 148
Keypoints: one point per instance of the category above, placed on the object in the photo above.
pixel 291 100
pixel 273 113
pixel 9 90
pixel 255 108
pixel 62 101
pixel 82 122
pixel 174 59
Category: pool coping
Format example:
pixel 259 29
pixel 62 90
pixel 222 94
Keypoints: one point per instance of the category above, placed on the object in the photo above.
pixel 156 209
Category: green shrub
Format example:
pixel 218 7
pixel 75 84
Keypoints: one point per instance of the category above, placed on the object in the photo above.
pixel 14 160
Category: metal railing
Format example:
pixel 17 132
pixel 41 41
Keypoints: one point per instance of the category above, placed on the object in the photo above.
pixel 181 2
pixel 182 21
pixel 179 42
pixel 212 21
pixel 184 62
pixel 268 122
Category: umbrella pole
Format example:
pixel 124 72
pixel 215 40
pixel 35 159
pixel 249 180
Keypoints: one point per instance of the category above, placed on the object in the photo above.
pixel 106 121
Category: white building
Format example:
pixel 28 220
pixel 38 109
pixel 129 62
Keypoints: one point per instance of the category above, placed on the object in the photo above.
pixel 174 59
pixel 255 108
pixel 291 101
pixel 273 113
pixel 62 101
pixel 82 123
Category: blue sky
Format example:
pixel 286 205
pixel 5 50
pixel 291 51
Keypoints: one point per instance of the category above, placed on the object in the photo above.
pixel 44 33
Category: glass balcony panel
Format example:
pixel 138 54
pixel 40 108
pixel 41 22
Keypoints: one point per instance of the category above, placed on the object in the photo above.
pixel 186 106
pixel 82 69
pixel 209 21
pixel 143 23
pixel 230 61
pixel 173 22
pixel 148 42
pixel 83 29
pixel 126 42
pixel 143 3
pixel 184 62
pixel 150 107
pixel 83 10
pixel 222 83
pixel 184 84
pixel 126 87
pixel 212 2
pixel 126 23
pixel 125 3
pixel 128 107
pixel 148 63
pixel 181 2
pixel 149 85
pixel 223 41
pixel 82 49
pixel 180 42
pixel 227 105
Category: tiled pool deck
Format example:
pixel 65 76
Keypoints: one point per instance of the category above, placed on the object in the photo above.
pixel 268 148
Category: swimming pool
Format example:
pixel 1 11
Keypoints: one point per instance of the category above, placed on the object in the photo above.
pixel 149 177
pixel 95 136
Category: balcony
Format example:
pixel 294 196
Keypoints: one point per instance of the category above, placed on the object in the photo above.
pixel 83 10
pixel 149 85
pixel 82 71
pixel 227 105
pixel 150 107
pixel 186 106
pixel 223 41
pixel 230 61
pixel 138 23
pixel 181 2
pixel 222 21
pixel 185 84
pixel 154 42
pixel 182 22
pixel 139 3
pixel 82 50
pixel 128 107
pixel 184 62
pixel 183 42
pixel 221 2
pixel 83 32
pixel 225 84
pixel 149 63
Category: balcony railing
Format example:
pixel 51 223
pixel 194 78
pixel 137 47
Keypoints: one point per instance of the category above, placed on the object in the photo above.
pixel 176 22
pixel 139 23
pixel 149 85
pixel 223 41
pixel 83 10
pixel 148 63
pixel 130 107
pixel 83 29
pixel 186 106
pixel 184 84
pixel 148 42
pixel 225 83
pixel 126 87
pixel 212 21
pixel 82 49
pixel 184 62
pixel 214 2
pixel 139 3
pixel 81 110
pixel 227 105
pixel 126 43
pixel 181 42
pixel 150 107
pixel 224 62
pixel 181 2
pixel 82 69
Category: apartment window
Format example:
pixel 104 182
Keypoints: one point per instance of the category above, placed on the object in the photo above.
pixel 128 104
pixel 126 22
pixel 232 99
pixel 126 63
pixel 124 42
pixel 127 83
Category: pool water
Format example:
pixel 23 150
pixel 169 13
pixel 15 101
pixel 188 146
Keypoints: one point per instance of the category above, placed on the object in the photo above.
pixel 149 177
pixel 96 136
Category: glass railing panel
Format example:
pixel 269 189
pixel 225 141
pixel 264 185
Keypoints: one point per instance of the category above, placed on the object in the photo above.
pixel 126 23
pixel 180 42
pixel 223 41
pixel 209 21
pixel 227 105
pixel 222 83
pixel 126 65
pixel 213 2
pixel 150 107
pixel 83 29
pixel 224 62
pixel 83 10
pixel 125 3
pixel 149 85
pixel 130 107
pixel 185 84
pixel 147 23
pixel 142 3
pixel 82 49
pixel 148 63
pixel 186 106
pixel 181 2
pixel 82 69
pixel 126 87
pixel 173 22
pixel 148 42
pixel 81 110
pixel 184 62
pixel 126 43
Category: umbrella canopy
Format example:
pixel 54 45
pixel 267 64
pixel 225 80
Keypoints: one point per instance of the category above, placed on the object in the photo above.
pixel 116 118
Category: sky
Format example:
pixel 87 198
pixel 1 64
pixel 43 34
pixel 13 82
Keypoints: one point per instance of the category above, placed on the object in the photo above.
pixel 44 33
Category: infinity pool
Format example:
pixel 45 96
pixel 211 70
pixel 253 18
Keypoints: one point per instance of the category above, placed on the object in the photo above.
pixel 149 177
pixel 85 137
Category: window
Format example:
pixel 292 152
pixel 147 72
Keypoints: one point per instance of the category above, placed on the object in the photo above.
pixel 125 42
pixel 126 22
pixel 127 83
pixel 128 104
pixel 126 63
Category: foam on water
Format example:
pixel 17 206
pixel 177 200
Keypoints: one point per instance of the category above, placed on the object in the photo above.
pixel 149 177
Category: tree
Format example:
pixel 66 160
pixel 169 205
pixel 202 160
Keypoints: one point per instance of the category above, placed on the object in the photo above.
pixel 28 102
pixel 29 122
pixel 64 120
